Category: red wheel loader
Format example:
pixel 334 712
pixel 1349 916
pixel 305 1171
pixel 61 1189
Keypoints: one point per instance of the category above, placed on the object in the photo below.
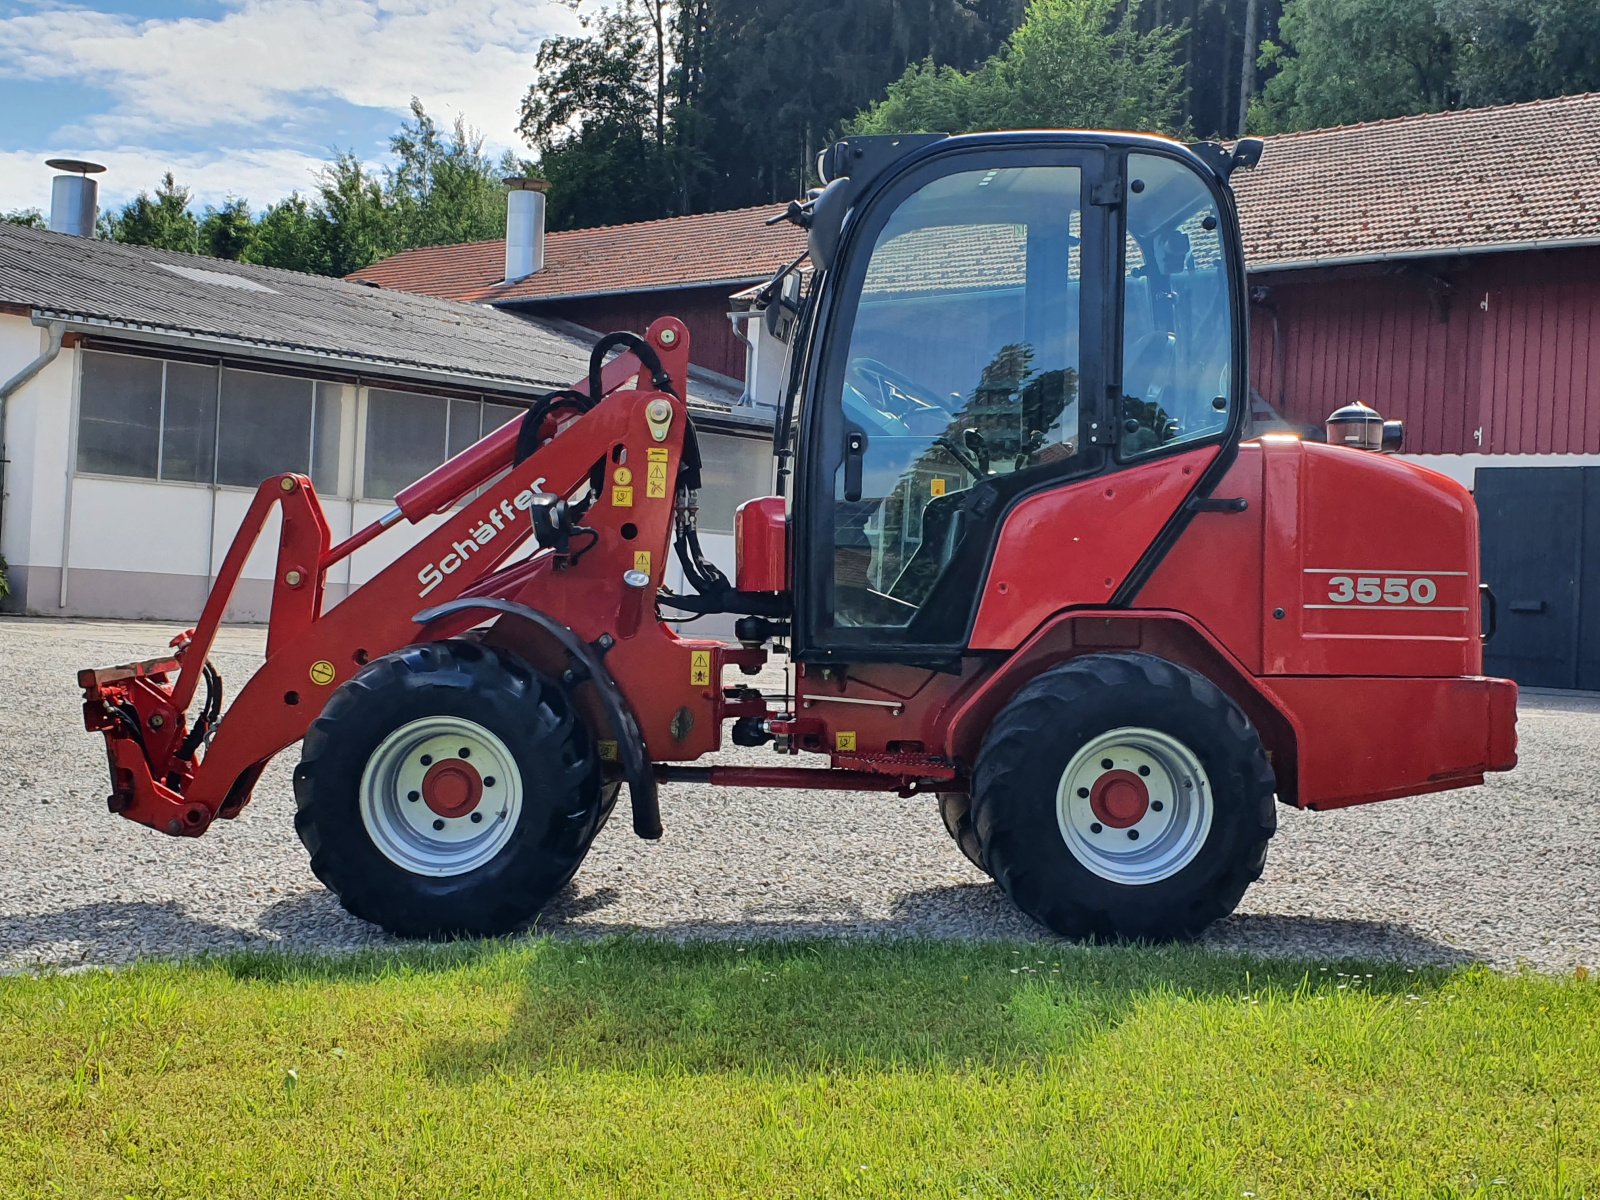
pixel 1023 557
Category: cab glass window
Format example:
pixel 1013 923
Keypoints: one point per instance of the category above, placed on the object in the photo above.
pixel 962 367
pixel 1177 336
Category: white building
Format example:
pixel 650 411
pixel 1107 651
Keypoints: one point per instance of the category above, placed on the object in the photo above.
pixel 145 394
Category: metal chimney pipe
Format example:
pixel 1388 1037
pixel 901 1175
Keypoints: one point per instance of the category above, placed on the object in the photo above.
pixel 524 226
pixel 74 197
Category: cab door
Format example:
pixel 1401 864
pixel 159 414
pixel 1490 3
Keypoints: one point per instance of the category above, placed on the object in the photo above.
pixel 1003 321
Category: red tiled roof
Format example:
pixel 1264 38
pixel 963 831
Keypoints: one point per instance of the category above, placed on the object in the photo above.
pixel 708 248
pixel 1455 182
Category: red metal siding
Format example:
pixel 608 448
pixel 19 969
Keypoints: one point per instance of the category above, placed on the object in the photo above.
pixel 712 343
pixel 1488 354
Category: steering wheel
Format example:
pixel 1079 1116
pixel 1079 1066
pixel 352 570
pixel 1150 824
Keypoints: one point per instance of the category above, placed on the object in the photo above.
pixel 897 396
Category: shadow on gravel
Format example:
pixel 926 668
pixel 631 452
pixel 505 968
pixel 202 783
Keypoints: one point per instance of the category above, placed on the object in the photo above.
pixel 312 921
pixel 114 933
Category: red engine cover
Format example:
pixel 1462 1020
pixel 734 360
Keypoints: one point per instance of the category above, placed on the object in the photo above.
pixel 761 532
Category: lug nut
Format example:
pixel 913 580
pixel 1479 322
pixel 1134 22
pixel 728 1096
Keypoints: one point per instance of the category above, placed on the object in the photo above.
pixel 1095 828
pixel 438 824
pixel 1144 771
pixel 1156 806
pixel 477 817
pixel 1133 835
pixel 464 752
pixel 427 760
pixel 1083 793
pixel 1106 764
pixel 413 796
pixel 488 781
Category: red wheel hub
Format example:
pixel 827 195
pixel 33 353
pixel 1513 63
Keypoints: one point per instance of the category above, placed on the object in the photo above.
pixel 452 788
pixel 1119 799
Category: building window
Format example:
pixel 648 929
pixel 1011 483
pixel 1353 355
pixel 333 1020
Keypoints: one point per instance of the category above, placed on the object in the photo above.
pixel 733 470
pixel 183 422
pixel 119 415
pixel 188 423
pixel 409 434
pixel 146 418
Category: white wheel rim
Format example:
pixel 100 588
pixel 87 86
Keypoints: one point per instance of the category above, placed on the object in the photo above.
pixel 441 796
pixel 1134 806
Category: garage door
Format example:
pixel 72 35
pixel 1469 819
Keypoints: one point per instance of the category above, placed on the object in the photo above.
pixel 1541 558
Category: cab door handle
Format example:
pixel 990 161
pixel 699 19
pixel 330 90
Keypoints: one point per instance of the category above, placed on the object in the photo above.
pixel 855 448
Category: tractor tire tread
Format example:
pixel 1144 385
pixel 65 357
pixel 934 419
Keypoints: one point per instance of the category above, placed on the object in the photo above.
pixel 564 802
pixel 1029 867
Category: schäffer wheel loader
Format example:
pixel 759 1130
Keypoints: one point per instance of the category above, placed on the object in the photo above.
pixel 1023 556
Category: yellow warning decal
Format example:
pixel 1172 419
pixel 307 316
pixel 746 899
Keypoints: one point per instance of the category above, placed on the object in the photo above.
pixel 699 668
pixel 641 561
pixel 656 454
pixel 608 751
pixel 845 740
pixel 622 475
pixel 622 497
pixel 937 487
pixel 322 672
pixel 655 487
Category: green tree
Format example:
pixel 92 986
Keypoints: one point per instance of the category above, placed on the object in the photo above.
pixel 1071 64
pixel 31 217
pixel 289 235
pixel 1343 61
pixel 226 231
pixel 591 117
pixel 443 189
pixel 355 224
pixel 1515 50
pixel 162 220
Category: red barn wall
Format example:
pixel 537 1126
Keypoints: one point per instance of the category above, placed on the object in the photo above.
pixel 1481 355
pixel 712 343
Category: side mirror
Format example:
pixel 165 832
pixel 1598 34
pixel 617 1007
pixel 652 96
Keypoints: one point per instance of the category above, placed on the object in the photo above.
pixel 784 305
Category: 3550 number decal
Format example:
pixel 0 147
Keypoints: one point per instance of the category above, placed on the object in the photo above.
pixel 1388 591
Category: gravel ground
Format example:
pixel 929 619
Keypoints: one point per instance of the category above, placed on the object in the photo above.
pixel 1505 873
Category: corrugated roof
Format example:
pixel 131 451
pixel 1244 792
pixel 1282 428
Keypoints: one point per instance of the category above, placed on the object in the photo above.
pixel 1443 183
pixel 266 311
pixel 1457 182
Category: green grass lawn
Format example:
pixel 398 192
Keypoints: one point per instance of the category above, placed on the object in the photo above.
pixel 626 1068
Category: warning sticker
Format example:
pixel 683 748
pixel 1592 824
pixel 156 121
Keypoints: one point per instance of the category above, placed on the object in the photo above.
pixel 622 497
pixel 699 668
pixel 322 673
pixel 641 561
pixel 937 487
pixel 608 751
pixel 656 454
pixel 622 475
pixel 655 486
pixel 845 740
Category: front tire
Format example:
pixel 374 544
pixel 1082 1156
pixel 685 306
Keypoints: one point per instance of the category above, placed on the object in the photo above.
pixel 448 790
pixel 1123 796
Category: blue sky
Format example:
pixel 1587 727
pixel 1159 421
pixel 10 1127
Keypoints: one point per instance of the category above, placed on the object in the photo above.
pixel 248 97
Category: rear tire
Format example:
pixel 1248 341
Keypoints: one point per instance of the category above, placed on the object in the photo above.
pixel 1123 796
pixel 423 840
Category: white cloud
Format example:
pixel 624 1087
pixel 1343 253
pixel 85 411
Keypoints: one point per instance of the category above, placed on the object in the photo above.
pixel 261 176
pixel 258 72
